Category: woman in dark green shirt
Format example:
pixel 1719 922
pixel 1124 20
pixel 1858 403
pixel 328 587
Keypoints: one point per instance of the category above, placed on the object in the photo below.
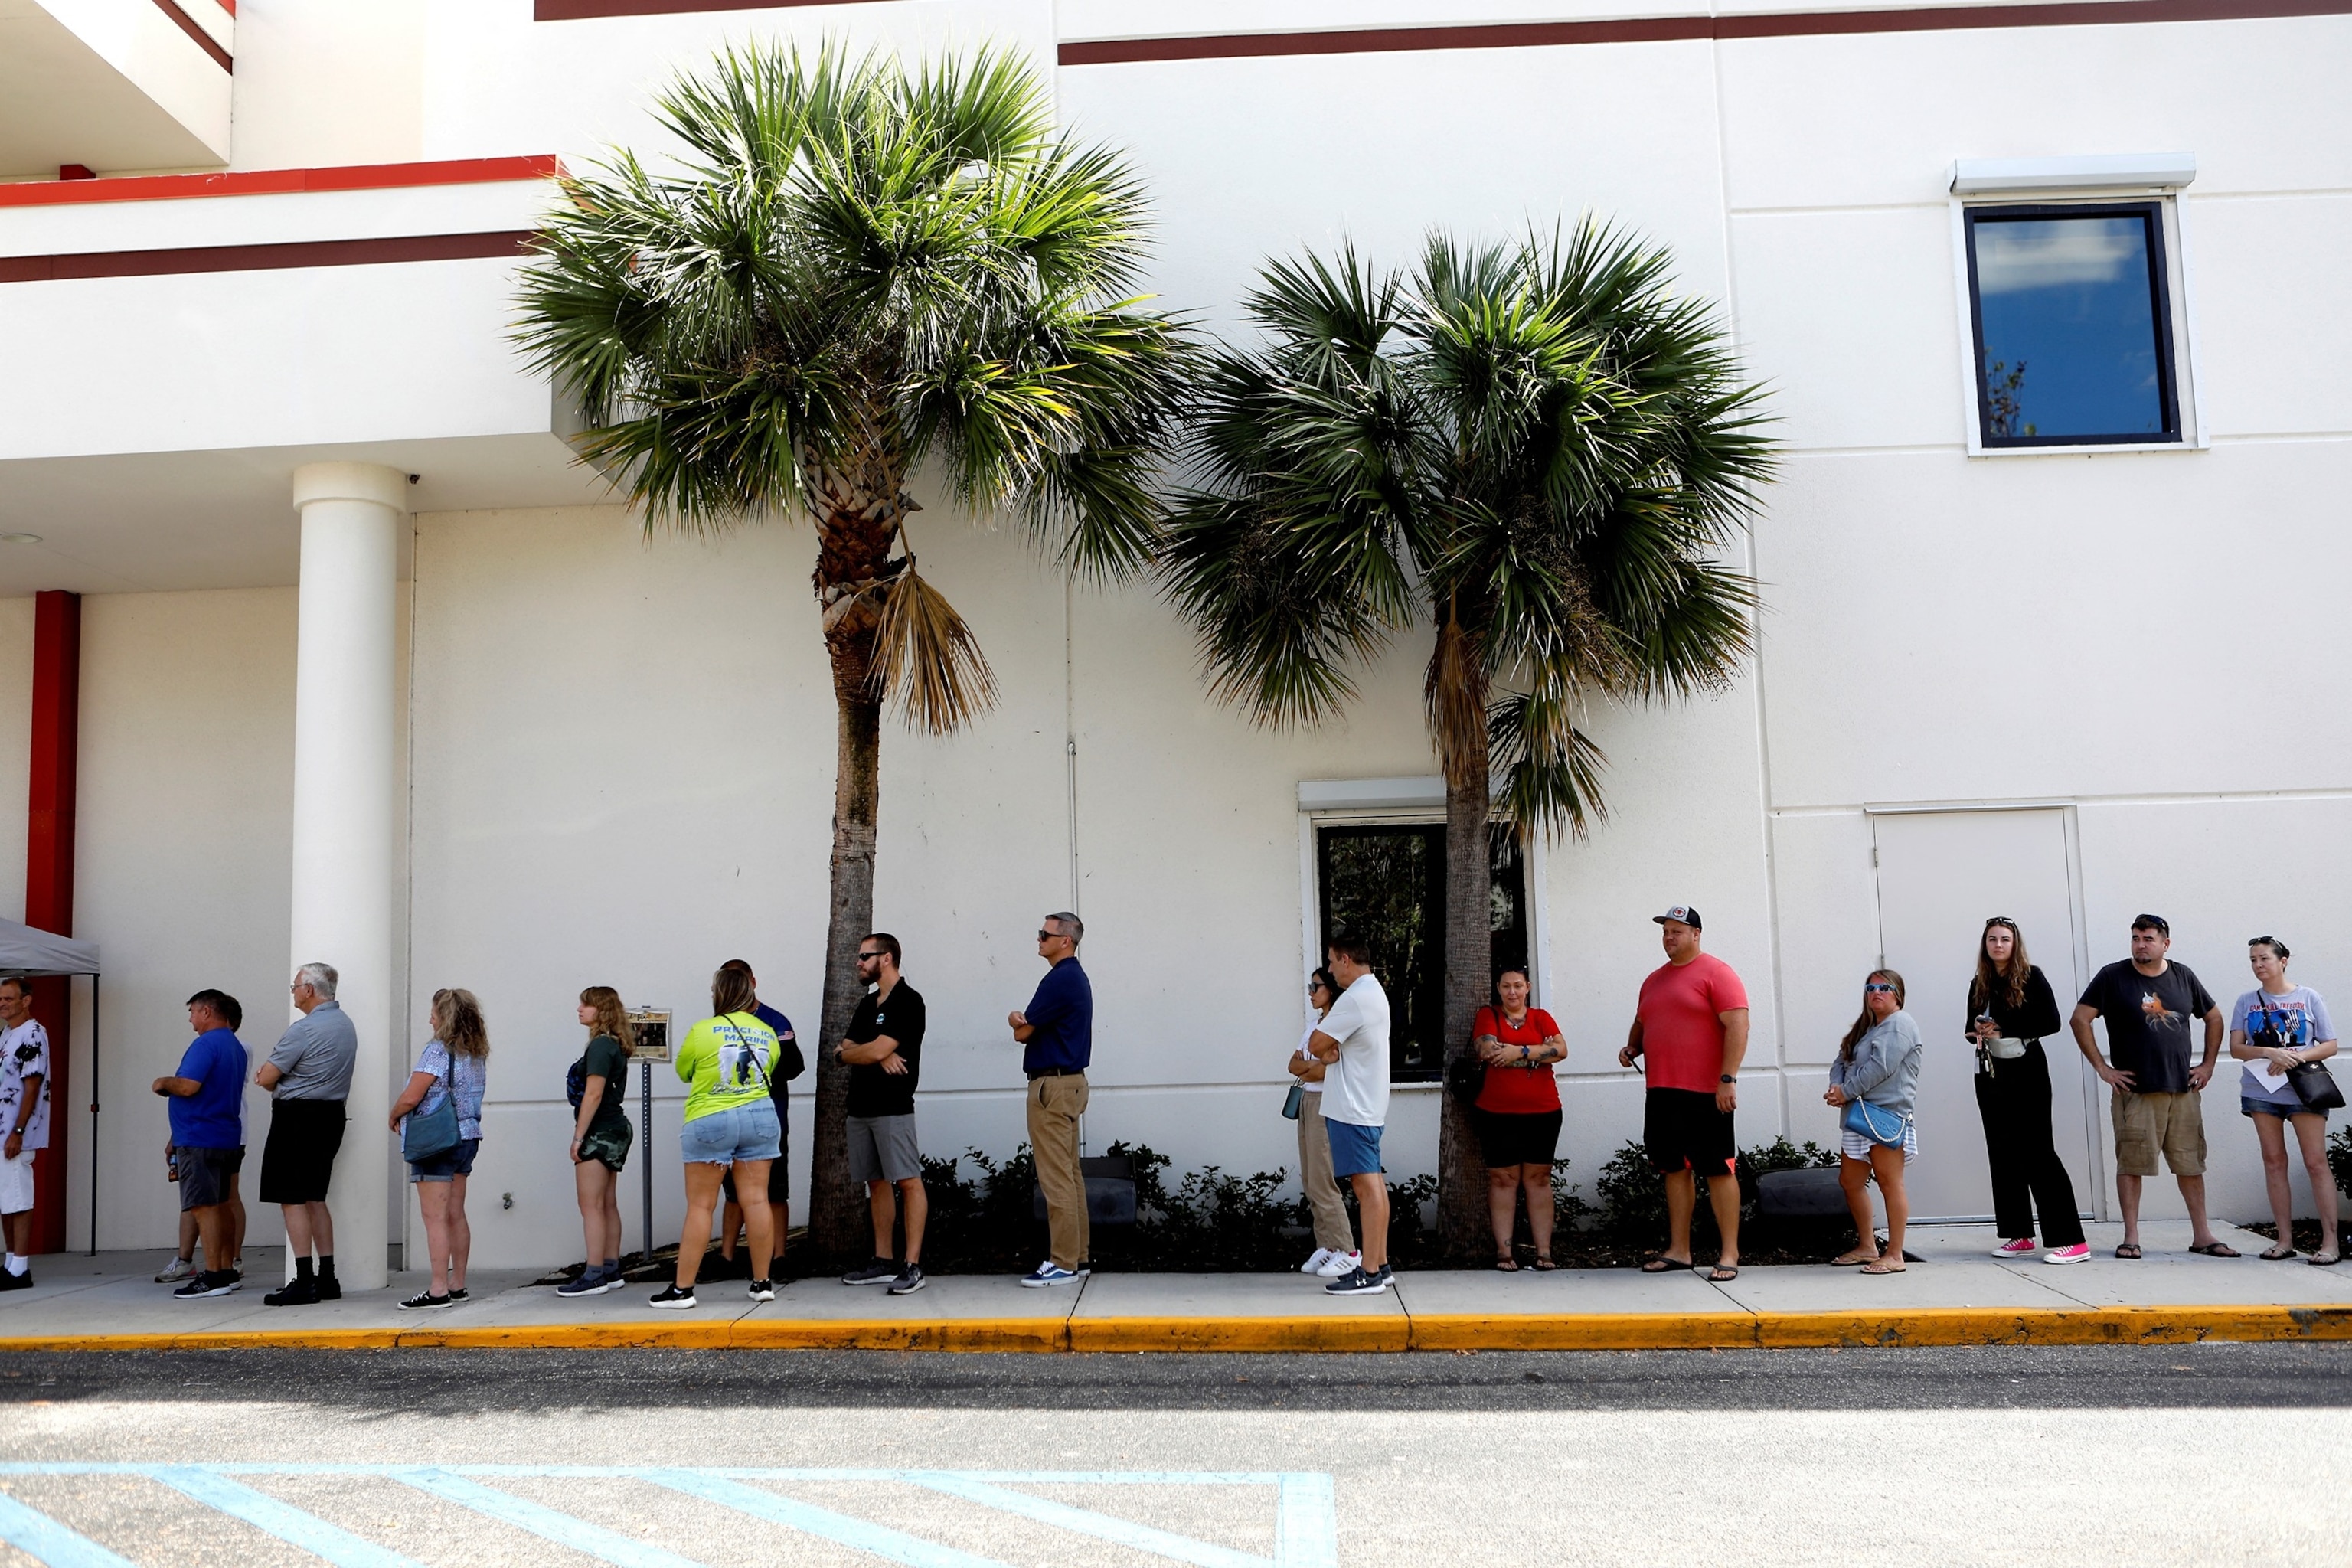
pixel 601 1135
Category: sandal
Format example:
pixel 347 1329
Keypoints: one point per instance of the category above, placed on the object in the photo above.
pixel 2128 1249
pixel 1723 1274
pixel 1853 1260
pixel 1880 1266
pixel 1544 1265
pixel 1506 1263
pixel 2215 1249
pixel 2277 1254
pixel 1662 1264
pixel 2323 1260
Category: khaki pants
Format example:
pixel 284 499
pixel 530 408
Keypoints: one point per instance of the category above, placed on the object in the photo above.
pixel 1323 1200
pixel 1055 1106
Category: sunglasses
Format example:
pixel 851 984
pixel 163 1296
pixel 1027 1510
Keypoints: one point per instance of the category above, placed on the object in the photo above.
pixel 870 957
pixel 1875 985
pixel 2000 921
pixel 1049 935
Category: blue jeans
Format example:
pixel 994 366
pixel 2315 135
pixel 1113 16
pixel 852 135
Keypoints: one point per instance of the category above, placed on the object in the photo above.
pixel 725 1137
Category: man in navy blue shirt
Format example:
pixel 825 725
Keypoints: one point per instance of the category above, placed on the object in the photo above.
pixel 779 1175
pixel 1057 1033
pixel 207 1107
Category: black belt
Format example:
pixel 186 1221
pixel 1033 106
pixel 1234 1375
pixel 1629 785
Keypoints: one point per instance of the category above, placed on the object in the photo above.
pixel 1057 1072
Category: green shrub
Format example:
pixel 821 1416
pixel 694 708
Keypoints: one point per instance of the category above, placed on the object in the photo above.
pixel 1633 1195
pixel 2339 1158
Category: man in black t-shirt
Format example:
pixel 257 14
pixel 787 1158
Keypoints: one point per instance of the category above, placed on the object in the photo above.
pixel 2147 1003
pixel 884 1053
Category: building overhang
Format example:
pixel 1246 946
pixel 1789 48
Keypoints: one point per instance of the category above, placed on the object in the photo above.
pixel 114 85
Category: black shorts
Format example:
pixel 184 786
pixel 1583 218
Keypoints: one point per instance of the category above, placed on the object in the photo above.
pixel 1516 1137
pixel 1683 1131
pixel 297 1159
pixel 203 1175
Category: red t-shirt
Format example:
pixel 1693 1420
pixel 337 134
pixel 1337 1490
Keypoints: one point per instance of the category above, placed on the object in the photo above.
pixel 1517 1089
pixel 1682 1035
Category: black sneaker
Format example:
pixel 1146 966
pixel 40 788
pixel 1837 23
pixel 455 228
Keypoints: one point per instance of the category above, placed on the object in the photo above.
pixel 669 1298
pixel 461 1294
pixel 1386 1277
pixel 330 1288
pixel 1356 1282
pixel 15 1281
pixel 881 1271
pixel 205 1285
pixel 426 1302
pixel 295 1293
pixel 764 1289
pixel 908 1283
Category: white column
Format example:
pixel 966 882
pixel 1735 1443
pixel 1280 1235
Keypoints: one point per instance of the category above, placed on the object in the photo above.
pixel 344 819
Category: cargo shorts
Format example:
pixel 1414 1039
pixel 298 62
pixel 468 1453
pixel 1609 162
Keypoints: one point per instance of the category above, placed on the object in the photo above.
pixel 2145 1123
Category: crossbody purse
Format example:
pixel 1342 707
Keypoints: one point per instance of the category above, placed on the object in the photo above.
pixel 1888 1128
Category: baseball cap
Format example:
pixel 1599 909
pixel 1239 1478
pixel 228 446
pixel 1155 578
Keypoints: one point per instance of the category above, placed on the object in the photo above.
pixel 1682 912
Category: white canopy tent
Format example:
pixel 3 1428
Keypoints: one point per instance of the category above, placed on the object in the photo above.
pixel 26 951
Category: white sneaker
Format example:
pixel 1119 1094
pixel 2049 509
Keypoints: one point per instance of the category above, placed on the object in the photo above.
pixel 1314 1264
pixel 181 1269
pixel 1340 1264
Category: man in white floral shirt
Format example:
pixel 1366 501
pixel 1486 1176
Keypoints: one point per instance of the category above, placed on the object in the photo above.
pixel 25 1113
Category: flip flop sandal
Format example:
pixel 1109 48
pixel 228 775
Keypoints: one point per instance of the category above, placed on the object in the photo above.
pixel 1723 1274
pixel 1850 1261
pixel 2215 1249
pixel 1507 1266
pixel 2276 1254
pixel 2128 1249
pixel 1878 1266
pixel 2324 1260
pixel 1662 1264
pixel 1544 1265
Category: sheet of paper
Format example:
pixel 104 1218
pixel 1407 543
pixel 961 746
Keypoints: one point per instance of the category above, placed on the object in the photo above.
pixel 2269 1078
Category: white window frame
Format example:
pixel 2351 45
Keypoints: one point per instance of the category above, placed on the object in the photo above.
pixel 2084 182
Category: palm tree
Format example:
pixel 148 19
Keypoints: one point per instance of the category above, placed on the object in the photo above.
pixel 1537 451
pixel 847 271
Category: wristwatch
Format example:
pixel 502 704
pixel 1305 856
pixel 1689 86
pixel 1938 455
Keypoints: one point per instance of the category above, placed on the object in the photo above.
pixel 1727 1077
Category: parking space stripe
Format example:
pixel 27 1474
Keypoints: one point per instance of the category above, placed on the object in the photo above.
pixel 859 1534
pixel 1306 1521
pixel 288 1523
pixel 1085 1521
pixel 35 1534
pixel 545 1522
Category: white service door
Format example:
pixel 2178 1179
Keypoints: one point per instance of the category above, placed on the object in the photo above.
pixel 1941 875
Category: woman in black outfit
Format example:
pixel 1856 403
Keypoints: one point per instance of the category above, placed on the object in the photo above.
pixel 2010 1007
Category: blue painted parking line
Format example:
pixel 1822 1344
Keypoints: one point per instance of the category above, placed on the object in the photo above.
pixel 1305 1521
pixel 38 1536
pixel 860 1534
pixel 547 1523
pixel 288 1523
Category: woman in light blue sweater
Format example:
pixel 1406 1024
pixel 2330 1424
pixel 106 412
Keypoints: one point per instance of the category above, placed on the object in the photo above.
pixel 1877 1063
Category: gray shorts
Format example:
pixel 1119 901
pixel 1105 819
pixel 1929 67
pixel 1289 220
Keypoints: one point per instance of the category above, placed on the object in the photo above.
pixel 883 1148
pixel 203 1175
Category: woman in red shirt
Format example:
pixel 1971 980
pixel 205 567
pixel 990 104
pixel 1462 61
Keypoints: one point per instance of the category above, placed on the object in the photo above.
pixel 1517 1113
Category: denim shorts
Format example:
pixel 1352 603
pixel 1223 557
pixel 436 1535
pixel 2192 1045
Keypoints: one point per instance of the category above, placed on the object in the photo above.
pixel 457 1160
pixel 740 1133
pixel 2249 1106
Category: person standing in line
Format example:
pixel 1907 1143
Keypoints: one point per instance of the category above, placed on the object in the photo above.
pixel 309 1077
pixel 2147 1002
pixel 1690 1032
pixel 1334 1253
pixel 884 1053
pixel 1517 1113
pixel 780 1169
pixel 207 1110
pixel 1878 1064
pixel 730 1123
pixel 2010 1008
pixel 1056 1032
pixel 2277 1026
pixel 601 1136
pixel 24 1112
pixel 455 1064
pixel 1353 1041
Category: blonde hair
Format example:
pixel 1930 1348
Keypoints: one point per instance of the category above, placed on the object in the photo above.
pixel 1865 1023
pixel 457 1023
pixel 612 1018
pixel 731 992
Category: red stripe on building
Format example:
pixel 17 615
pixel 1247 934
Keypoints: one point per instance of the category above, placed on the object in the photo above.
pixel 50 872
pixel 1659 29
pixel 282 182
pixel 264 257
pixel 588 10
pixel 203 40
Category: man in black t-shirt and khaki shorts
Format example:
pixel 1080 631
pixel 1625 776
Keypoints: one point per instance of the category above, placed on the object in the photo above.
pixel 884 1053
pixel 2146 1003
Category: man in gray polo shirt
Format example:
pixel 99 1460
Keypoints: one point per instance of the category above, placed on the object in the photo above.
pixel 308 1075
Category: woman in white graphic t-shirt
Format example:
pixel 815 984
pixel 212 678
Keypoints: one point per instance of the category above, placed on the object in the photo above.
pixel 2277 1025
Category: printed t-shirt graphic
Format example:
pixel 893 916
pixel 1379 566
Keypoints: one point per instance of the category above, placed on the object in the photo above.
pixel 2147 1019
pixel 728 1062
pixel 25 1053
pixel 2300 1020
pixel 1682 1026
pixel 1510 1088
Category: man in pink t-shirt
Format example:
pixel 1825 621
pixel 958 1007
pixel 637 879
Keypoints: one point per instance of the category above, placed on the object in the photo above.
pixel 1690 1028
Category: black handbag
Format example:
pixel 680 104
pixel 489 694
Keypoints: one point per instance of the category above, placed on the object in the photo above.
pixel 1466 1076
pixel 2315 1086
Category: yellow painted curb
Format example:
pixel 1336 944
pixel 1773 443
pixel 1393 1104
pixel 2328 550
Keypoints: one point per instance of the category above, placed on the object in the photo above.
pixel 1388 1332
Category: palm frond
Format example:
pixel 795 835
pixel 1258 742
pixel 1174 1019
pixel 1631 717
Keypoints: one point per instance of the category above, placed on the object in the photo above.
pixel 926 656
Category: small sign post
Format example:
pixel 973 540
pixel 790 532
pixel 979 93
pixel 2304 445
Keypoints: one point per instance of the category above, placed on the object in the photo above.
pixel 650 1028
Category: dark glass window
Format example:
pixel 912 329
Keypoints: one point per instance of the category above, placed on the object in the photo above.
pixel 2074 332
pixel 1387 885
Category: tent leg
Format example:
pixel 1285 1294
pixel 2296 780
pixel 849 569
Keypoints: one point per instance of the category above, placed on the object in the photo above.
pixel 93 1115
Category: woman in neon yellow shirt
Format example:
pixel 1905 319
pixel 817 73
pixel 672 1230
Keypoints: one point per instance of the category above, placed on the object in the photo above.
pixel 726 1061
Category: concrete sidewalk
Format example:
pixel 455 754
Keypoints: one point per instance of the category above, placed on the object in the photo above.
pixel 1957 1294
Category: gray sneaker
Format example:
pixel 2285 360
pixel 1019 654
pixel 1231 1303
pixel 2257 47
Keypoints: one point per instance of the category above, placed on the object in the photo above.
pixel 179 1268
pixel 908 1283
pixel 881 1271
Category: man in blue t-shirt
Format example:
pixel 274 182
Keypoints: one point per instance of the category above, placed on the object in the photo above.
pixel 208 1106
pixel 790 1064
pixel 1058 1037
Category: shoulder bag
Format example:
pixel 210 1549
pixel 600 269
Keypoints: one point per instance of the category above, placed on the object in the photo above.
pixel 428 1135
pixel 1466 1076
pixel 1879 1125
pixel 2315 1086
pixel 1294 1101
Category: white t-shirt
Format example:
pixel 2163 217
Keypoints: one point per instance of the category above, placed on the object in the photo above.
pixel 1311 1085
pixel 1356 1086
pixel 25 1052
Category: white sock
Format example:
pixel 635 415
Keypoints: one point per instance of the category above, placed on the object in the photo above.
pixel 17 1264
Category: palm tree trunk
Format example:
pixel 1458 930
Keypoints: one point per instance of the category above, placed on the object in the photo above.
pixel 1461 1226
